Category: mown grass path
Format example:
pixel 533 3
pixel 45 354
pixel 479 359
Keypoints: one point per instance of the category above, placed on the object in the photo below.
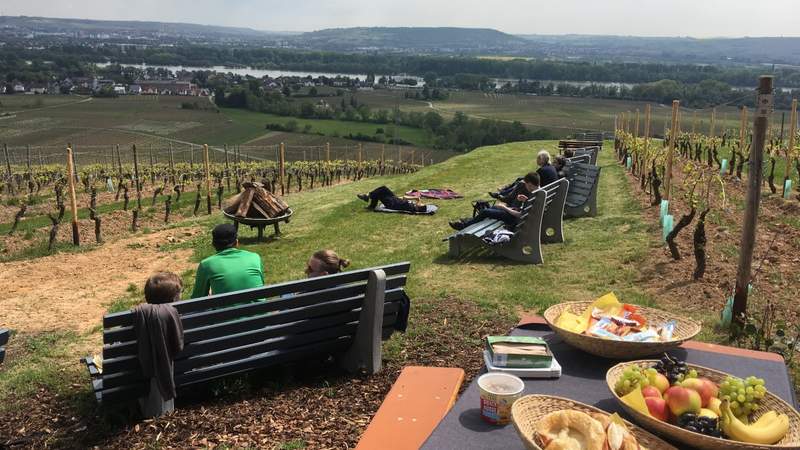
pixel 600 254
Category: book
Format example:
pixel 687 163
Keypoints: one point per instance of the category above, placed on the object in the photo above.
pixel 518 352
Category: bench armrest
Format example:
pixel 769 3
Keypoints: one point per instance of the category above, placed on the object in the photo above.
pixel 94 370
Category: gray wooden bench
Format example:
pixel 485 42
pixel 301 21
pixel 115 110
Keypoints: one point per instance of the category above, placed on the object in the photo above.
pixel 591 151
pixel 540 222
pixel 344 315
pixel 4 334
pixel 582 194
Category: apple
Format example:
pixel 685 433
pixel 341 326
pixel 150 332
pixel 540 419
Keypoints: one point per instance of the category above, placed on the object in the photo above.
pixel 703 386
pixel 658 408
pixel 659 381
pixel 682 400
pixel 714 405
pixel 651 391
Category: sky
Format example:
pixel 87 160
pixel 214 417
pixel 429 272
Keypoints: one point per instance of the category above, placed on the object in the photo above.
pixel 696 18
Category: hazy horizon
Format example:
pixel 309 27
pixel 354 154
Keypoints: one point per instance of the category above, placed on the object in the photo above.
pixel 642 18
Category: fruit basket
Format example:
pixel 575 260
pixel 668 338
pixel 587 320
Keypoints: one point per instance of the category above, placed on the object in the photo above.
pixel 685 329
pixel 769 404
pixel 529 410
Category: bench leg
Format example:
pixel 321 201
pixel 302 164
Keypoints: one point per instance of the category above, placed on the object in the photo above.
pixel 365 353
pixel 155 405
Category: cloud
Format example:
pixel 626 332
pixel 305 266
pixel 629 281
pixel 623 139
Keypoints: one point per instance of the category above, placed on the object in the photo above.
pixel 703 18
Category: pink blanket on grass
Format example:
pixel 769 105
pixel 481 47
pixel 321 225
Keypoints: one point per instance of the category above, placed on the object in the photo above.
pixel 441 194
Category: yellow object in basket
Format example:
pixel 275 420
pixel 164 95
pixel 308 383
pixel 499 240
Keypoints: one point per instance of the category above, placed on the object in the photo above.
pixel 572 322
pixel 635 400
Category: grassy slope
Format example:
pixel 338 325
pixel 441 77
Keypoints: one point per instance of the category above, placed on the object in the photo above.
pixel 599 255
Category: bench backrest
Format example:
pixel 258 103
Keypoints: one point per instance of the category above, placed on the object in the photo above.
pixel 547 207
pixel 585 158
pixel 240 331
pixel 582 181
pixel 4 334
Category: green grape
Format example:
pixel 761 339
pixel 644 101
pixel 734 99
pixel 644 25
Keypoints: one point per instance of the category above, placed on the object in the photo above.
pixel 631 379
pixel 744 395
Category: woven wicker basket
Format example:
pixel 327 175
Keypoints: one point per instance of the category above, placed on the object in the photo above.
pixel 685 329
pixel 527 411
pixel 700 441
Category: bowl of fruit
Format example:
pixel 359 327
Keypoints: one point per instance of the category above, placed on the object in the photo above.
pixel 611 329
pixel 550 422
pixel 702 407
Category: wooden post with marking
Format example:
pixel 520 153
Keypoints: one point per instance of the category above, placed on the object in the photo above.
pixel 73 201
pixel 790 148
pixel 764 105
pixel 208 177
pixel 283 168
pixel 673 138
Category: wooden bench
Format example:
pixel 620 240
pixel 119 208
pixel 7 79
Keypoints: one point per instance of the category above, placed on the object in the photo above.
pixel 591 151
pixel 345 315
pixel 574 143
pixel 582 194
pixel 4 334
pixel 418 401
pixel 540 222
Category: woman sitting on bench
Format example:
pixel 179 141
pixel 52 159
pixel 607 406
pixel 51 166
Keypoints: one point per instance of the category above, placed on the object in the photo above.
pixel 385 195
pixel 510 211
pixel 325 262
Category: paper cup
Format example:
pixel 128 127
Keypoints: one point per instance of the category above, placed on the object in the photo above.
pixel 498 392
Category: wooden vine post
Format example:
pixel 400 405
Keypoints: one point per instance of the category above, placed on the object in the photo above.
pixel 646 128
pixel 636 132
pixel 328 151
pixel 8 162
pixel 136 178
pixel 673 139
pixel 73 201
pixel 790 149
pixel 208 177
pixel 359 156
pixel 742 131
pixel 119 163
pixel 282 162
pixel 764 106
pixel 712 132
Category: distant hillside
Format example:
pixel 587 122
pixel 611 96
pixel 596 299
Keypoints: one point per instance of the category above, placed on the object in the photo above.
pixel 59 25
pixel 440 39
pixel 762 50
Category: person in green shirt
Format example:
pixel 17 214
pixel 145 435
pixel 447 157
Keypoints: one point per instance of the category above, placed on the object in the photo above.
pixel 231 269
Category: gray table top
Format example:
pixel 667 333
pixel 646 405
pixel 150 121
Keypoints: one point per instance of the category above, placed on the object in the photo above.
pixel 582 379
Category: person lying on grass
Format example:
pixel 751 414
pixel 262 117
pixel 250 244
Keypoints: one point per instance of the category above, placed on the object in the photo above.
pixel 508 212
pixel 231 269
pixel 325 262
pixel 385 195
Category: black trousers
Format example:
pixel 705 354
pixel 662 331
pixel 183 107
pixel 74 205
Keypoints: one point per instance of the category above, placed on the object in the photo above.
pixel 385 195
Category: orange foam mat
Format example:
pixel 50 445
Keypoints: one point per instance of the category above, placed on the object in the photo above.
pixel 415 405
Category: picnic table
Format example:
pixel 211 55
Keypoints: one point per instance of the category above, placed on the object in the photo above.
pixel 583 379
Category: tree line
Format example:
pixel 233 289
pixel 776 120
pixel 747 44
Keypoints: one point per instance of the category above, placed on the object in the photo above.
pixel 446 67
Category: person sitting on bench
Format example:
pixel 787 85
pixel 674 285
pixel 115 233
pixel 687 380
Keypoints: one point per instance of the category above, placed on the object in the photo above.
pixel 325 262
pixel 510 211
pixel 231 269
pixel 385 195
pixel 560 165
pixel 547 173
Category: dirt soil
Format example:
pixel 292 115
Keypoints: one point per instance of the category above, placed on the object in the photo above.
pixel 73 290
pixel 776 260
pixel 314 403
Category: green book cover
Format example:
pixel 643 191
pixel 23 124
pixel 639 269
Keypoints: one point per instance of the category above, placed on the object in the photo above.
pixel 519 352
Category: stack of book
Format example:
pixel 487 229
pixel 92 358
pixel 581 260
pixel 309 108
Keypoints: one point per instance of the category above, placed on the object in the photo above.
pixel 523 356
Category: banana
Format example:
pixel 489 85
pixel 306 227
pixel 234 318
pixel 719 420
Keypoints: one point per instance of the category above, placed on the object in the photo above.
pixel 766 418
pixel 767 430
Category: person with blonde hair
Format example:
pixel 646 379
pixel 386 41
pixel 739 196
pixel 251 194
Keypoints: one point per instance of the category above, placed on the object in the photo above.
pixel 547 173
pixel 325 262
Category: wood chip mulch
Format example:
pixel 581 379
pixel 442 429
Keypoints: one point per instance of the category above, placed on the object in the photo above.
pixel 313 406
